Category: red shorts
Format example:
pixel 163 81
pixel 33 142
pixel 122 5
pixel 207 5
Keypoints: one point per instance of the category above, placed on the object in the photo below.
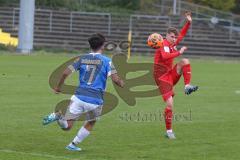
pixel 166 81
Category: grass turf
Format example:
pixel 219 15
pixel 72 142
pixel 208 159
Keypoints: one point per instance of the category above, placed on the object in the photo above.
pixel 212 133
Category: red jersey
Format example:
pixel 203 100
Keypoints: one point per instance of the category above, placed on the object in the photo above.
pixel 165 55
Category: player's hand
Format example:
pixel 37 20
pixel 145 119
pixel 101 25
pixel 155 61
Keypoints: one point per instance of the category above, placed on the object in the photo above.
pixel 184 48
pixel 188 15
pixel 57 90
pixel 121 83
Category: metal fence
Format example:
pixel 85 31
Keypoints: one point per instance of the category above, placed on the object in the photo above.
pixel 70 18
pixel 199 11
pixel 222 23
pixel 228 25
pixel 132 17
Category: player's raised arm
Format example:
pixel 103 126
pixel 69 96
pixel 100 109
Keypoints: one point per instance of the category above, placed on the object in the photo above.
pixel 188 15
pixel 185 28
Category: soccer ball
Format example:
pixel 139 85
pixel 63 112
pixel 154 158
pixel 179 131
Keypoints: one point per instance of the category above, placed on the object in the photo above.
pixel 155 40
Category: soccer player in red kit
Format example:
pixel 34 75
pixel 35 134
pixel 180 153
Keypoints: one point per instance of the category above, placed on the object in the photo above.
pixel 166 75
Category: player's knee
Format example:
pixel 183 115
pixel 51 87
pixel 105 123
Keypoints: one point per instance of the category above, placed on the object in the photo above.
pixel 170 106
pixel 185 61
pixel 169 103
pixel 68 127
pixel 92 122
pixel 89 124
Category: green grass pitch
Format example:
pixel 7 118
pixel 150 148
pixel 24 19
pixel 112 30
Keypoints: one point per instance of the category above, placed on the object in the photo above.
pixel 212 133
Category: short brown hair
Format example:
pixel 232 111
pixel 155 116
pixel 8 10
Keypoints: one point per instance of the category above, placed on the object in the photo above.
pixel 96 41
pixel 172 30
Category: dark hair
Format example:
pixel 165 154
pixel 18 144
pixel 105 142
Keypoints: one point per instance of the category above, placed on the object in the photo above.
pixel 172 30
pixel 96 41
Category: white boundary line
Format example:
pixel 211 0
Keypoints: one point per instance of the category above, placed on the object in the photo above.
pixel 36 154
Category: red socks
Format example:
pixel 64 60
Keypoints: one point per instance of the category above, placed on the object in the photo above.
pixel 168 117
pixel 187 73
pixel 168 114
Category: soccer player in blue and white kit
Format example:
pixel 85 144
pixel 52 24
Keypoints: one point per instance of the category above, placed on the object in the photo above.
pixel 94 68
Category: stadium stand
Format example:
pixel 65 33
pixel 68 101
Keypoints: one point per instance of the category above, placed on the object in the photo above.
pixel 202 39
pixel 69 30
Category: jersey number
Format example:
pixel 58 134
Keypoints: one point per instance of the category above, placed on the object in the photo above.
pixel 90 74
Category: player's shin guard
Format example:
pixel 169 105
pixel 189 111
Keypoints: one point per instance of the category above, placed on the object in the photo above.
pixel 168 117
pixel 81 135
pixel 187 74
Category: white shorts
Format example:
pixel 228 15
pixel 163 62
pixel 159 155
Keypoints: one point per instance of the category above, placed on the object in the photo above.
pixel 80 110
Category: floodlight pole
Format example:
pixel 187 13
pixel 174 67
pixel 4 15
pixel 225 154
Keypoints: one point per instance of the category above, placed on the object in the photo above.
pixel 174 7
pixel 26 26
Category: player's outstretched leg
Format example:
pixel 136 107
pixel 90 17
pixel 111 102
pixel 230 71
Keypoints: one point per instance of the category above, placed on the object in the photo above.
pixel 168 115
pixel 81 135
pixel 184 67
